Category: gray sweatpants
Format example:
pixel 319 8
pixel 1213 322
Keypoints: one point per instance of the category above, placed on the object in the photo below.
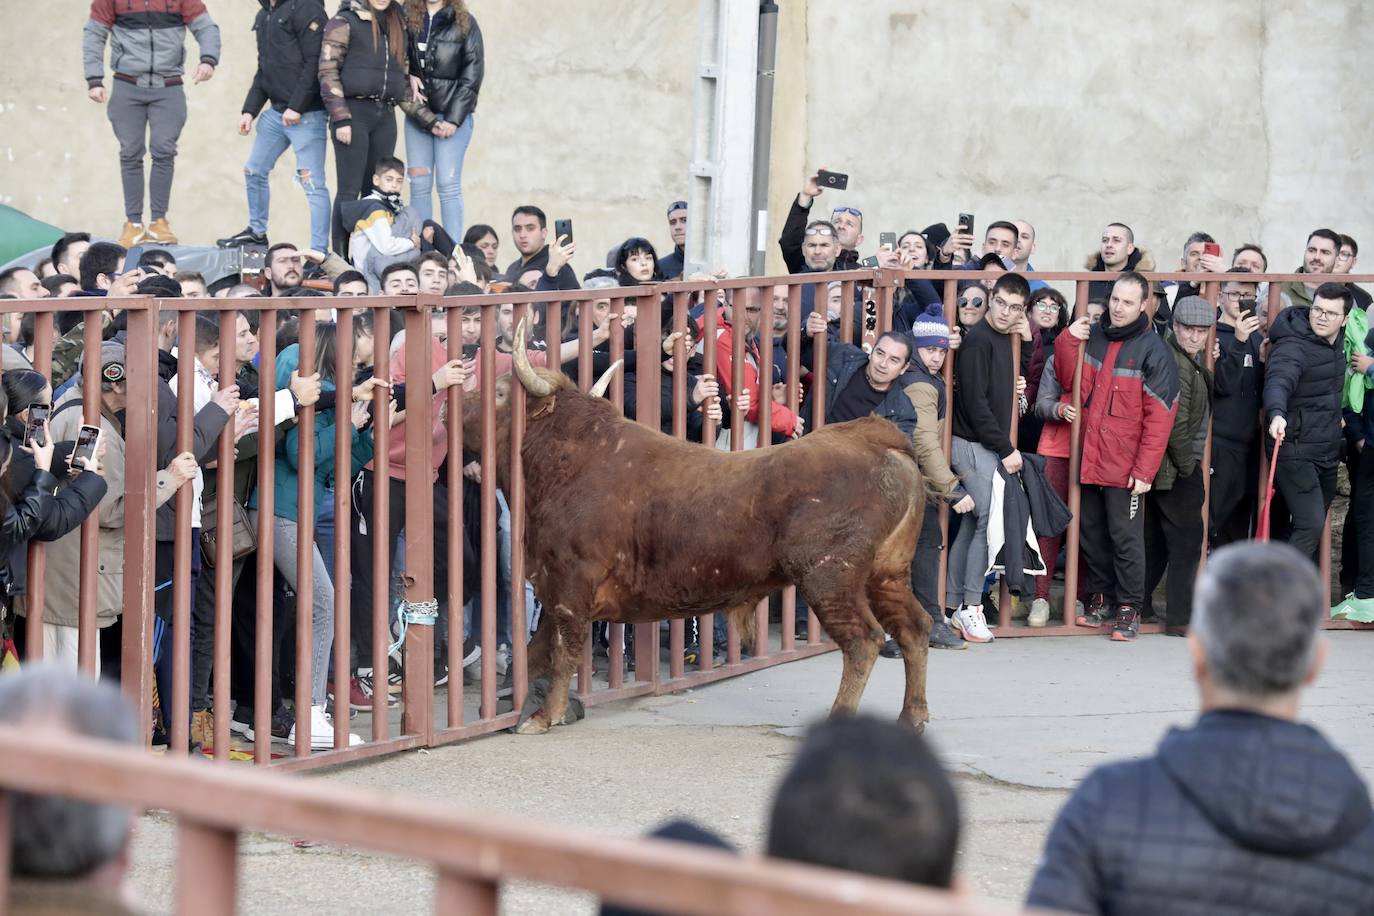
pixel 968 555
pixel 143 118
pixel 285 536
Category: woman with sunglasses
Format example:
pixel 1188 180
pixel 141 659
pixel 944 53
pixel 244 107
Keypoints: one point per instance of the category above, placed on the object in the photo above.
pixel 1048 313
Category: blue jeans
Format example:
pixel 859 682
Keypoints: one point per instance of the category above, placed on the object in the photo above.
pixel 324 524
pixel 431 159
pixel 308 140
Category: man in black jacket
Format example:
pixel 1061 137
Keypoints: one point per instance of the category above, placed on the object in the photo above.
pixel 287 82
pixel 1247 811
pixel 985 385
pixel 1239 378
pixel 529 230
pixel 1302 404
pixel 847 222
pixel 671 265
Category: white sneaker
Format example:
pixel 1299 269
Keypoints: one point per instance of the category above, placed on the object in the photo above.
pixel 321 732
pixel 502 660
pixel 1039 613
pixel 971 623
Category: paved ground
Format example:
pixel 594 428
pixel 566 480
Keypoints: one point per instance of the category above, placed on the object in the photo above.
pixel 1019 721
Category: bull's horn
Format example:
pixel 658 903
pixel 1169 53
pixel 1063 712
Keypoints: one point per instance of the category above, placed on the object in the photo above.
pixel 602 384
pixel 539 387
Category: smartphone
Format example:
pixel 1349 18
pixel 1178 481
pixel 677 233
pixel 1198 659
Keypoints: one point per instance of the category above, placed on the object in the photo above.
pixel 832 181
pixel 470 350
pixel 33 431
pixel 1247 308
pixel 87 444
pixel 888 240
pixel 870 262
pixel 1211 248
pixel 966 223
pixel 562 229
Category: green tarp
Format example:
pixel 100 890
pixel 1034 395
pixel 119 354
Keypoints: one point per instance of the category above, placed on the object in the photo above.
pixel 21 234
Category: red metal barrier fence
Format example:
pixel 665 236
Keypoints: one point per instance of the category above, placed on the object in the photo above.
pixel 473 856
pixel 634 323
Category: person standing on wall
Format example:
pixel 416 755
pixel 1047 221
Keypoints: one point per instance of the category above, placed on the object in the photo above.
pixel 364 75
pixel 147 104
pixel 447 61
pixel 287 82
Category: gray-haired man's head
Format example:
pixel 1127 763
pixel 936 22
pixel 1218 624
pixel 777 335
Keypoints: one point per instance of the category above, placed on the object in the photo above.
pixel 62 838
pixel 1256 614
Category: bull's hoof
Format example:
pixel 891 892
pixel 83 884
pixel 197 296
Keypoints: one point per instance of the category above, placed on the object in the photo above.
pixel 917 722
pixel 534 725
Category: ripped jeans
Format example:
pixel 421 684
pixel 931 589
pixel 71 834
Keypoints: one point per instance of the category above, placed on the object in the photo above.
pixel 308 140
pixel 438 162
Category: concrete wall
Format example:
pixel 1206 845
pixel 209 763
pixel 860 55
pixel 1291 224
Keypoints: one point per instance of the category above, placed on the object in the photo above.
pixel 1249 119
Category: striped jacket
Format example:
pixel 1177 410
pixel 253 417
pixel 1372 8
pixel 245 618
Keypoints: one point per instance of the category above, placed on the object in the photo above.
pixel 147 40
pixel 1130 396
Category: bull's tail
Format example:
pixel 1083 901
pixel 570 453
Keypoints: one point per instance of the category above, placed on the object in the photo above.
pixel 744 618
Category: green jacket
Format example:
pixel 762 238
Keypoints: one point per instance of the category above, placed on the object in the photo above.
pixel 1194 401
pixel 1356 331
pixel 287 471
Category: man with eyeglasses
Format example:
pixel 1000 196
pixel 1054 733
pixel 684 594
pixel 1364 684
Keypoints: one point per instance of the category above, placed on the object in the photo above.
pixel 986 386
pixel 846 225
pixel 1345 263
pixel 1323 245
pixel 1129 395
pixel 1239 379
pixel 1303 383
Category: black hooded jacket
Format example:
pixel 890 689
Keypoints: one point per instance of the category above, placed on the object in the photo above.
pixel 289 33
pixel 1303 381
pixel 1240 814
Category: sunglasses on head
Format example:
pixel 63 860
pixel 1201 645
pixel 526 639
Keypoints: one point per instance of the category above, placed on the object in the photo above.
pixel 853 210
pixel 819 230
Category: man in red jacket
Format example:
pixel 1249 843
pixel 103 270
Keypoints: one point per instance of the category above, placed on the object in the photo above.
pixel 748 320
pixel 1129 397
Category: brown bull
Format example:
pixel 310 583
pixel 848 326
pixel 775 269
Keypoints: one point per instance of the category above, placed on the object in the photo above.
pixel 628 525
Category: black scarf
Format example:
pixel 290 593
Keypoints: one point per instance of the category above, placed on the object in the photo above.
pixel 1141 322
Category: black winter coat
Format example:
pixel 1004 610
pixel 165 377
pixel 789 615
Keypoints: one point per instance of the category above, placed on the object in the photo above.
pixel 62 511
pixel 1239 379
pixel 288 76
pixel 842 362
pixel 1303 383
pixel 1239 814
pixel 452 67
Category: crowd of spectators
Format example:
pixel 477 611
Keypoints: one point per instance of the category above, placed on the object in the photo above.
pixel 1161 366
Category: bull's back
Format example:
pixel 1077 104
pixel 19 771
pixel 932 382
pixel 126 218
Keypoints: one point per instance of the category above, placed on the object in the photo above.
pixel 671 527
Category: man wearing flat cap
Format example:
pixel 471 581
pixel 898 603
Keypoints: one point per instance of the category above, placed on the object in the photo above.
pixel 1173 507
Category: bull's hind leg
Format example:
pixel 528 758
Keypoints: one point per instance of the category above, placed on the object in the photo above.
pixel 902 616
pixel 845 614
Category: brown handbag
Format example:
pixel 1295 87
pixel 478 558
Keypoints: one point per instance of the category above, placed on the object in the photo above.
pixel 244 536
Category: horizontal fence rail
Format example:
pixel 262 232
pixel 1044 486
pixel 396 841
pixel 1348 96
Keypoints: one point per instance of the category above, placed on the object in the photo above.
pixel 304 624
pixel 473 855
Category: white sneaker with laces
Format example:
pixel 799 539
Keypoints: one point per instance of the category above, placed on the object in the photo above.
pixel 971 623
pixel 321 732
pixel 1039 613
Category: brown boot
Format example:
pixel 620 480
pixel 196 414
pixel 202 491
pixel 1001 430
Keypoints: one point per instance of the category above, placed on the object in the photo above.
pixel 203 729
pixel 160 232
pixel 133 234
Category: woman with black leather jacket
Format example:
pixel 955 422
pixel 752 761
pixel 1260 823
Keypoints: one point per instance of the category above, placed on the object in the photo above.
pixel 35 505
pixel 446 61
